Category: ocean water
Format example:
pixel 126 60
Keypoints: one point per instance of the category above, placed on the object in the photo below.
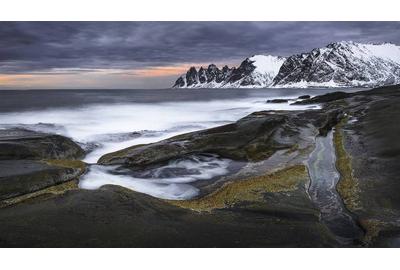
pixel 104 121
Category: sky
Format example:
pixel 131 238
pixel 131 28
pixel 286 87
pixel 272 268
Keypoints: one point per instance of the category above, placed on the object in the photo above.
pixel 145 55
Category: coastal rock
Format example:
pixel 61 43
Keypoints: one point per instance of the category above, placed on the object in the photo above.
pixel 274 204
pixel 31 161
pixel 252 138
pixel 20 177
pixel 113 216
pixel 278 100
pixel 324 98
pixel 363 163
pixel 25 144
pixel 368 157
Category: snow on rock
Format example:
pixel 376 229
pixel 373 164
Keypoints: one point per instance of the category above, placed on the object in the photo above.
pixel 339 64
pixel 257 71
pixel 342 64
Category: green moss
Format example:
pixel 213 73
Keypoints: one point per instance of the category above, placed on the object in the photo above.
pixel 248 190
pixel 347 186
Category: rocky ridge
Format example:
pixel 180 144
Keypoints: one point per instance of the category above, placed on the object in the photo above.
pixel 339 64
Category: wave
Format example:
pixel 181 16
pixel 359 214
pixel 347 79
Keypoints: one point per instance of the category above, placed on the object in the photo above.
pixel 167 182
pixel 105 128
pixel 112 127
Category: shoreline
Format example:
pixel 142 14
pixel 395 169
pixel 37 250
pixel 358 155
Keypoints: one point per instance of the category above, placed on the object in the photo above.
pixel 268 196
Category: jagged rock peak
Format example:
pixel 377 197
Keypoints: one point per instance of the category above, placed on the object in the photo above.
pixel 257 71
pixel 338 64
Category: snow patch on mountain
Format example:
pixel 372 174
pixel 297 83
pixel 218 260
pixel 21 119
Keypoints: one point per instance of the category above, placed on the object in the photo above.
pixel 267 63
pixel 257 71
pixel 339 64
pixel 387 51
pixel 342 64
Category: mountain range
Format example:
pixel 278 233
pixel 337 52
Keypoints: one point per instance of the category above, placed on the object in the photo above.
pixel 339 64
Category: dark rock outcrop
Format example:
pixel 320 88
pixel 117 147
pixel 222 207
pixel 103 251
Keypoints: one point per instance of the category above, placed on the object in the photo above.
pixel 324 98
pixel 116 217
pixel 20 177
pixel 269 209
pixel 371 183
pixel 25 144
pixel 31 161
pixel 252 138
pixel 278 100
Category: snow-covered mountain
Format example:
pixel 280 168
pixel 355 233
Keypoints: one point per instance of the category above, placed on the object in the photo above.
pixel 342 64
pixel 339 64
pixel 256 71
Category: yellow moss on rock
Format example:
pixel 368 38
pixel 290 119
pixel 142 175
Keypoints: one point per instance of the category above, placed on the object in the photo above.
pixel 50 191
pixel 66 163
pixel 372 228
pixel 347 186
pixel 248 190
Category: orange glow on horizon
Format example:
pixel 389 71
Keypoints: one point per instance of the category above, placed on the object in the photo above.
pixel 161 71
pixel 59 78
pixel 7 79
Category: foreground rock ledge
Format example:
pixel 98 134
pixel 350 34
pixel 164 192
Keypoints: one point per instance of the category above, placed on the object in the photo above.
pixel 264 204
pixel 33 161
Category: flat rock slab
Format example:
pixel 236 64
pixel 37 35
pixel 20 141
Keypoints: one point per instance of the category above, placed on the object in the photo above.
pixel 116 217
pixel 253 138
pixel 18 143
pixel 19 177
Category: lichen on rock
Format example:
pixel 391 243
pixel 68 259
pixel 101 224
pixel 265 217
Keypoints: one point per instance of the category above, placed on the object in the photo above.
pixel 347 186
pixel 250 189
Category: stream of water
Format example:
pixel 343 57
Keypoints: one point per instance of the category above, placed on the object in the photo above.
pixel 324 178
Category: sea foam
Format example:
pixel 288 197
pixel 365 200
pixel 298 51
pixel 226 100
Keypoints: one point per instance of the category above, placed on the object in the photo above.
pixel 104 128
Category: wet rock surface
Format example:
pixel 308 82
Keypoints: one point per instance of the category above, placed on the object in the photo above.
pixel 264 203
pixel 370 138
pixel 116 217
pixel 324 98
pixel 19 177
pixel 277 100
pixel 31 161
pixel 18 143
pixel 253 138
pixel 304 97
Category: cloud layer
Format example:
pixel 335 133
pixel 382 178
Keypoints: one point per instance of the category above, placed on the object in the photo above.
pixel 128 50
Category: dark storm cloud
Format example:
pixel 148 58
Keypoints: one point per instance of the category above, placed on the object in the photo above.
pixel 41 46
